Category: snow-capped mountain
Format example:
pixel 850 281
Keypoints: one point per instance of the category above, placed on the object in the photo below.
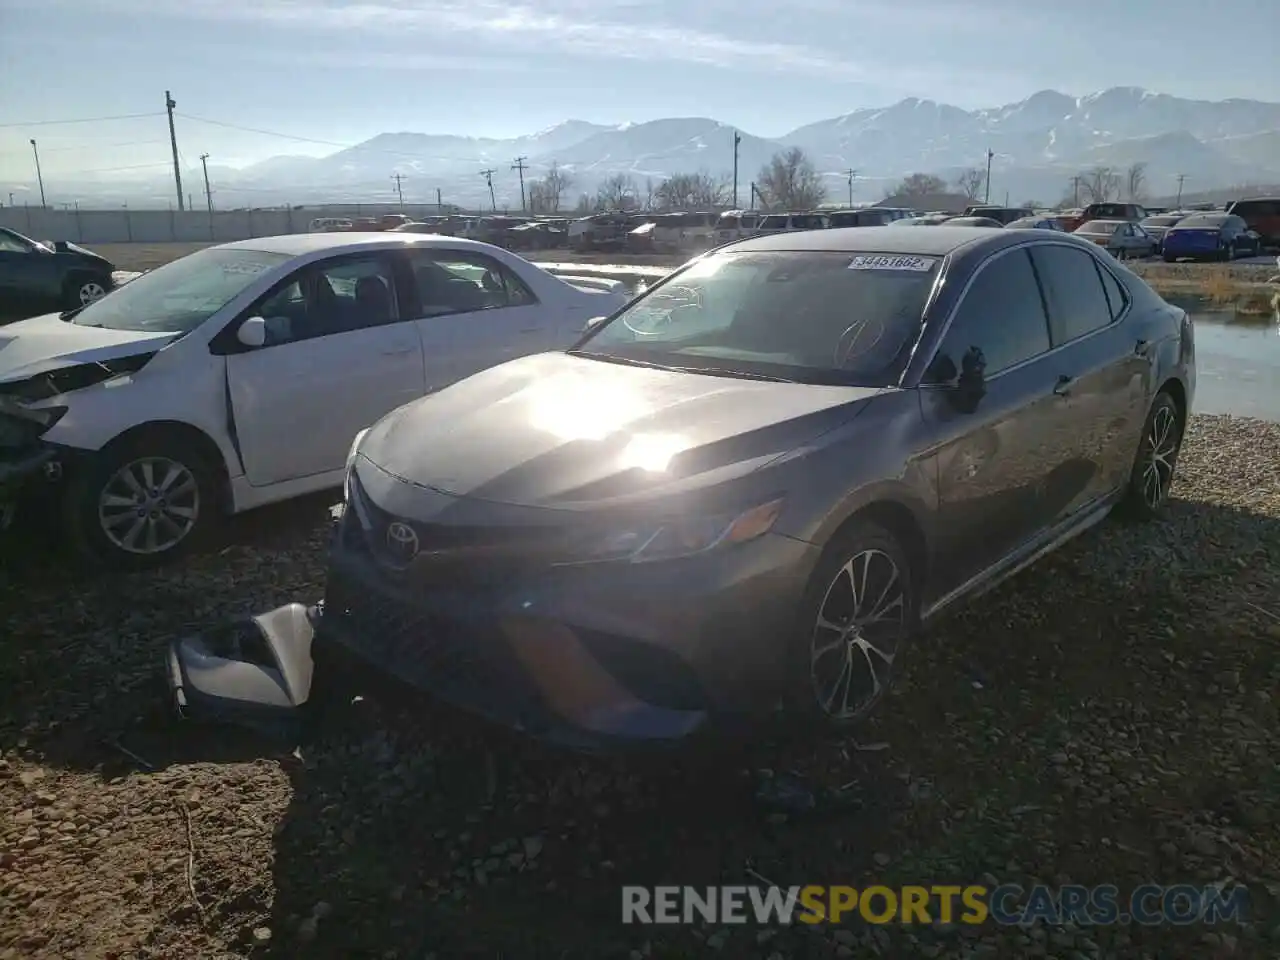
pixel 1038 144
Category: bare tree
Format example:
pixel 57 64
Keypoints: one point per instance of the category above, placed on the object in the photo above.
pixel 649 194
pixel 617 193
pixel 691 191
pixel 1136 182
pixel 555 184
pixel 1099 185
pixel 920 185
pixel 585 204
pixel 789 182
pixel 971 181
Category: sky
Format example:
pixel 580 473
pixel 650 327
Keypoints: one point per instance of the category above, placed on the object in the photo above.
pixel 341 71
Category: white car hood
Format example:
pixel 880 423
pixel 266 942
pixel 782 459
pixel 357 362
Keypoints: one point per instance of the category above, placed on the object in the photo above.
pixel 30 347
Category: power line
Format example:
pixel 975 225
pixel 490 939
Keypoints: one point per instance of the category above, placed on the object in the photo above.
pixel 49 123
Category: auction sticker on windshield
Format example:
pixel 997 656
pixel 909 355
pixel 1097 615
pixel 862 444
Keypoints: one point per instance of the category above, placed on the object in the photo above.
pixel 919 264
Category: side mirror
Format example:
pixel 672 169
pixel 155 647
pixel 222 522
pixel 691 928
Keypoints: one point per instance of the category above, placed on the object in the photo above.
pixel 965 387
pixel 593 323
pixel 60 246
pixel 253 332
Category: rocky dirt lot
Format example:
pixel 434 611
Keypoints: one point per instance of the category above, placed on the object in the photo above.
pixel 1109 716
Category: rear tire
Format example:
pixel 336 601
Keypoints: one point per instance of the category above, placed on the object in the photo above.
pixel 1155 463
pixel 140 502
pixel 859 612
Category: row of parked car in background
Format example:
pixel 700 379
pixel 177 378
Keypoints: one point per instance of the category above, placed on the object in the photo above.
pixel 1243 228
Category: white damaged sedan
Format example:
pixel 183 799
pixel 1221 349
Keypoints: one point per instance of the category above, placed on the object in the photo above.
pixel 238 376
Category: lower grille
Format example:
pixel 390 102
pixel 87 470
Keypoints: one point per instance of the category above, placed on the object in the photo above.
pixel 425 650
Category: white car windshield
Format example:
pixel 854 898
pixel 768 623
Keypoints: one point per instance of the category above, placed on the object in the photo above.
pixel 813 317
pixel 181 295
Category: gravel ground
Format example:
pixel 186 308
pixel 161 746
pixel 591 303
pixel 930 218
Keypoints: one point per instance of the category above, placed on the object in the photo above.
pixel 1108 716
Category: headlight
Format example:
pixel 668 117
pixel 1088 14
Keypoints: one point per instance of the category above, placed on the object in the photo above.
pixel 684 537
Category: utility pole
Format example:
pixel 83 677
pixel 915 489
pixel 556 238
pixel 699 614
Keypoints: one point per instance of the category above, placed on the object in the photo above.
pixel 1182 178
pixel 1075 190
pixel 39 176
pixel 737 139
pixel 399 179
pixel 439 202
pixel 852 174
pixel 518 164
pixel 990 154
pixel 488 176
pixel 208 194
pixel 173 142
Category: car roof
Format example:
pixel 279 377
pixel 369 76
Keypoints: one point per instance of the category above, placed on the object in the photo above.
pixel 299 244
pixel 1105 223
pixel 891 239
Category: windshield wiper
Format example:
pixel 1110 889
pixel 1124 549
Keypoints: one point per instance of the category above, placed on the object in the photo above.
pixel 614 358
pixel 726 372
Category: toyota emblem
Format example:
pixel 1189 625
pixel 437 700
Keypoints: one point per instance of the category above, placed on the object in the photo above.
pixel 402 543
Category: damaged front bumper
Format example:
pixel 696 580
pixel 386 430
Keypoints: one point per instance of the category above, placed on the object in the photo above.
pixel 19 469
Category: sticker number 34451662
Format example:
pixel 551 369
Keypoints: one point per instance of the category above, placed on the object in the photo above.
pixel 921 264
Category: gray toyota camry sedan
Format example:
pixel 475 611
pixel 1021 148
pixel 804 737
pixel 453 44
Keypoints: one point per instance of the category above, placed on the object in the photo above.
pixel 747 491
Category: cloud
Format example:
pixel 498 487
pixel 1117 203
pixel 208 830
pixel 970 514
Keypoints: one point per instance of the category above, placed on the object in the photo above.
pixel 585 28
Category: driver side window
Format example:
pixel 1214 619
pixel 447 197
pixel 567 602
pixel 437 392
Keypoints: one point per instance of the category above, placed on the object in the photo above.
pixel 448 282
pixel 331 297
pixel 1001 321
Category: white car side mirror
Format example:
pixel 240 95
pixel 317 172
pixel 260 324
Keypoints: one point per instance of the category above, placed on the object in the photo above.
pixel 593 323
pixel 253 332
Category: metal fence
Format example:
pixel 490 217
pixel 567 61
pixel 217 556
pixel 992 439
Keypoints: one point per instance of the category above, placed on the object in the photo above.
pixel 124 225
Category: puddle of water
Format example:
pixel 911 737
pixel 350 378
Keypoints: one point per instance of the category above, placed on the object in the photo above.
pixel 1237 366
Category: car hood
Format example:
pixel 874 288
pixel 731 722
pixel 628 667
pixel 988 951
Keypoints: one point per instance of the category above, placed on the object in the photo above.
pixel 34 346
pixel 568 431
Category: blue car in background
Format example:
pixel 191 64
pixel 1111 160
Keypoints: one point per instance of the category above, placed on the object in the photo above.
pixel 1210 236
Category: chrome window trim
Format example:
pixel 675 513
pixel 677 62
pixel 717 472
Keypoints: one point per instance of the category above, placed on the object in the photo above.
pixel 1024 247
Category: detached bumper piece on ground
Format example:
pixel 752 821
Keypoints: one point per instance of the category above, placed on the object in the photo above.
pixel 254 671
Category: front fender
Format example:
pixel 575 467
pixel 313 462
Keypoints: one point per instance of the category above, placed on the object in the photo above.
pixel 168 389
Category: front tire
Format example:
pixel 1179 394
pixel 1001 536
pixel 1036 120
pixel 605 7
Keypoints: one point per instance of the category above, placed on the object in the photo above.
pixel 1154 465
pixel 80 291
pixel 140 502
pixel 859 612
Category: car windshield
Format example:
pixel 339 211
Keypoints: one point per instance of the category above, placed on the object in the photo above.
pixel 181 295
pixel 813 317
pixel 1160 221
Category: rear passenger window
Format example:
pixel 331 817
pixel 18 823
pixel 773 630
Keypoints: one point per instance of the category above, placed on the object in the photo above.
pixel 1116 297
pixel 1077 300
pixel 1001 320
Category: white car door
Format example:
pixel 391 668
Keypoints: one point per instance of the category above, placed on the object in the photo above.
pixel 338 357
pixel 473 312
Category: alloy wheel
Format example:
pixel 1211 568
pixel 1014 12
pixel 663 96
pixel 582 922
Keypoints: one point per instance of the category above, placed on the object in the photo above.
pixel 860 625
pixel 149 505
pixel 1161 450
pixel 91 291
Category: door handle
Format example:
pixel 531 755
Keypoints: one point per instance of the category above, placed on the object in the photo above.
pixel 1063 387
pixel 530 329
pixel 397 350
